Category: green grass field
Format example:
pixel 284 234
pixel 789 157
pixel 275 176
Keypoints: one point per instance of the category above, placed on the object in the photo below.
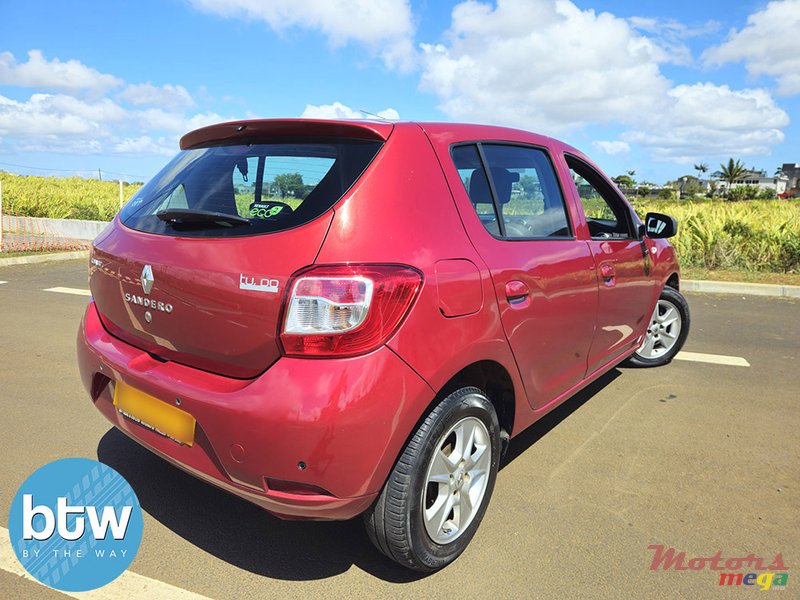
pixel 63 197
pixel 751 235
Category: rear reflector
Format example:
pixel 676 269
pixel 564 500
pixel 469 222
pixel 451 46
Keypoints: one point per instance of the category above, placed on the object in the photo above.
pixel 346 310
pixel 295 488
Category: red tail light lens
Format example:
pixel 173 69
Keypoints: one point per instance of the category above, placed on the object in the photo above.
pixel 346 310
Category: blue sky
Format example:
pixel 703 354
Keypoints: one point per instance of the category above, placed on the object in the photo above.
pixel 650 86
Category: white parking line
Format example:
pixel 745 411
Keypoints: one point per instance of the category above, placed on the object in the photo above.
pixel 127 585
pixel 714 359
pixel 66 290
pixel 2 282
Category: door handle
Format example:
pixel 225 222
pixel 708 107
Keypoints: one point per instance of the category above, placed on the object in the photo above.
pixel 608 274
pixel 516 291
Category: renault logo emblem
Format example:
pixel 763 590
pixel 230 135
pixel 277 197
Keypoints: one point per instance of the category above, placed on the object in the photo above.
pixel 147 279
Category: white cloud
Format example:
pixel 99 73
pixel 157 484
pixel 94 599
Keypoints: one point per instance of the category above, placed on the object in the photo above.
pixel 385 26
pixel 769 45
pixel 542 64
pixel 38 72
pixel 705 121
pixel 548 66
pixel 669 35
pixel 49 116
pixel 145 145
pixel 62 123
pixel 612 147
pixel 172 96
pixel 85 116
pixel 337 110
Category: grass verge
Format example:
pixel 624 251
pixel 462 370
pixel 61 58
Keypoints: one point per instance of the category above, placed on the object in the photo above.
pixel 741 276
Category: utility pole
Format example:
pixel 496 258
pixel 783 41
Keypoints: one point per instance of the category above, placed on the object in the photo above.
pixel 120 194
pixel 99 175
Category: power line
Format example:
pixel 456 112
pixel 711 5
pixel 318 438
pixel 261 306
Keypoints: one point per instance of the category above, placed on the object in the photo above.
pixel 48 169
pixel 5 164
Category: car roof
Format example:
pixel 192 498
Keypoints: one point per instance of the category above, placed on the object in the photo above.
pixel 378 130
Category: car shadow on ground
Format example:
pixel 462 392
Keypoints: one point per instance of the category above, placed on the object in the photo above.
pixel 540 428
pixel 247 537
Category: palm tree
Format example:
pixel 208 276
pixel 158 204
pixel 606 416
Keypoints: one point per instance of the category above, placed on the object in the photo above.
pixel 701 168
pixel 732 171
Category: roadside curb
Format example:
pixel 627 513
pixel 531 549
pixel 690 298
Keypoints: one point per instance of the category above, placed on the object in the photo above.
pixel 741 289
pixel 42 258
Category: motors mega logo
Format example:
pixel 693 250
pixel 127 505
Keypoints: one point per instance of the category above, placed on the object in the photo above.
pixel 75 524
pixel 751 570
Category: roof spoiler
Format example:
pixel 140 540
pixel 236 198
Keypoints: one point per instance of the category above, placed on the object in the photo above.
pixel 248 130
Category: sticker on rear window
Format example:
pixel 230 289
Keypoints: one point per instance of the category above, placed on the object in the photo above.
pixel 266 210
pixel 257 284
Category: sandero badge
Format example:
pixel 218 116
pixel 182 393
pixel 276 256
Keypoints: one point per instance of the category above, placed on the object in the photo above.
pixel 366 312
pixel 147 281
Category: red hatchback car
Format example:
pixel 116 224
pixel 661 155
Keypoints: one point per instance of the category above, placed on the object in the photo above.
pixel 331 318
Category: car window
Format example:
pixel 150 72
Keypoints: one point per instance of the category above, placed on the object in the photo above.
pixel 606 213
pixel 274 186
pixel 176 199
pixel 470 169
pixel 519 198
pixel 286 179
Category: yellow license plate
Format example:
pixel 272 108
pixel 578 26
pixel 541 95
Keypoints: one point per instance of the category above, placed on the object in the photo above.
pixel 154 414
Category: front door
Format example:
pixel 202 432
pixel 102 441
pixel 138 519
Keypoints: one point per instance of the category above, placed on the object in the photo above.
pixel 623 266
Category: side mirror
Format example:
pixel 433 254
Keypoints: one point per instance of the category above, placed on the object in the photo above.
pixel 658 226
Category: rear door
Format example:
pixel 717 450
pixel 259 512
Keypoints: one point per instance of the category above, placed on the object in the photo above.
pixel 195 268
pixel 543 276
pixel 626 290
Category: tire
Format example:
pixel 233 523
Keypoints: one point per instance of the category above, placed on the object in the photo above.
pixel 666 331
pixel 433 502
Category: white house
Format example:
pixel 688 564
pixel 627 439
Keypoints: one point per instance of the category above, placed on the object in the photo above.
pixel 778 182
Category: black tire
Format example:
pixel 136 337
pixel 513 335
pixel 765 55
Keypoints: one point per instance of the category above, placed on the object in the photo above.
pixel 396 523
pixel 669 297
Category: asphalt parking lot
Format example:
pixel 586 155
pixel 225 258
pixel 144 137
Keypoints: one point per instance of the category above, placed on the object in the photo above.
pixel 696 456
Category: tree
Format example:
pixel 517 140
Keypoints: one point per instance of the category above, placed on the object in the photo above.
pixel 701 168
pixel 530 187
pixel 732 171
pixel 290 184
pixel 624 181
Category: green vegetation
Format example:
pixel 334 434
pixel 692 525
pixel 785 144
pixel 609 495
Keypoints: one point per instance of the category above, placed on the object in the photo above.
pixel 63 197
pixel 732 171
pixel 756 235
pixel 750 192
pixel 701 169
pixel 741 276
pixel 750 236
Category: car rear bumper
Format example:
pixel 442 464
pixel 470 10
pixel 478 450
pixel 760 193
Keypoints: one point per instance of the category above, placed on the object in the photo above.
pixel 328 431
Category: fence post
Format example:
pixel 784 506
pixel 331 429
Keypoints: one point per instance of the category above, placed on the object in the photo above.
pixel 120 194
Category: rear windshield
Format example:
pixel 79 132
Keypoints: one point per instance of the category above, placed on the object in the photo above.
pixel 225 191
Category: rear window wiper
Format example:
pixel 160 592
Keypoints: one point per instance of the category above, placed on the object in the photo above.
pixel 193 216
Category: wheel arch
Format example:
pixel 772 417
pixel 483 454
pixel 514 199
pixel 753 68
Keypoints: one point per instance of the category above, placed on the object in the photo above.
pixel 673 281
pixel 494 380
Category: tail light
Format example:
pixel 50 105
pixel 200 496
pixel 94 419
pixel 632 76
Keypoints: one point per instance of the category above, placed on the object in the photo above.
pixel 346 310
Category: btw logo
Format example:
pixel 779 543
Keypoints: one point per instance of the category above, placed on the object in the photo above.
pixel 60 520
pixel 75 524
